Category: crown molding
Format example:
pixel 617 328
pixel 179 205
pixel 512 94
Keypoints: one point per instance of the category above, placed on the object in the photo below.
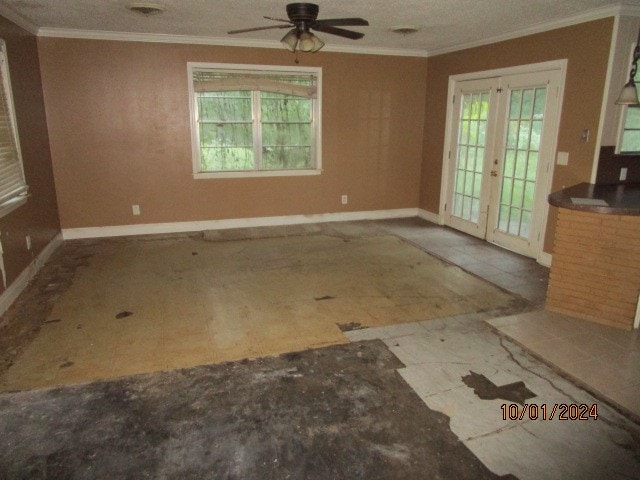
pixel 217 41
pixel 588 16
pixel 18 19
pixel 595 14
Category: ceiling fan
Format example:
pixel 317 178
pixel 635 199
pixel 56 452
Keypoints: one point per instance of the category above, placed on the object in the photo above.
pixel 303 18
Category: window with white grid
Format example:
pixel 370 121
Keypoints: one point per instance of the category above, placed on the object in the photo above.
pixel 250 120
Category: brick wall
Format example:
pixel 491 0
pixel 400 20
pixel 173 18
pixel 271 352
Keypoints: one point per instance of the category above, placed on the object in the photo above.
pixel 595 273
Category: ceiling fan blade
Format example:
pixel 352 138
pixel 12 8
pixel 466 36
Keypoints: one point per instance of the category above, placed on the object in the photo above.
pixel 278 19
pixel 343 22
pixel 260 28
pixel 341 32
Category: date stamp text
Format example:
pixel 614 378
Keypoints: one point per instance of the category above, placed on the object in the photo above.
pixel 557 411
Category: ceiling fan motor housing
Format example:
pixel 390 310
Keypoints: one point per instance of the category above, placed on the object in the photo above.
pixel 302 12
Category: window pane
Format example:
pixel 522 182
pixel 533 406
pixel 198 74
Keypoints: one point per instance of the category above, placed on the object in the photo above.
pixel 514 221
pixel 226 135
pixel 503 218
pixel 527 104
pixel 514 107
pixel 532 166
pixel 631 141
pixel 529 191
pixel 524 134
pixel 226 159
pixel 224 106
pixel 521 163
pixel 282 134
pixel 284 108
pixel 538 106
pixel 286 157
pixel 485 106
pixel 512 134
pixel 509 163
pixel 518 193
pixel 479 159
pixel 475 210
pixel 633 118
pixel 506 191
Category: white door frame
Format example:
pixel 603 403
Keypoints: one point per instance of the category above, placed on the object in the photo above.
pixel 560 65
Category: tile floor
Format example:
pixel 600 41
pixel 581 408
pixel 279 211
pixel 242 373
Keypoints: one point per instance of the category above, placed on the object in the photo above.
pixel 515 273
pixel 439 353
pixel 603 359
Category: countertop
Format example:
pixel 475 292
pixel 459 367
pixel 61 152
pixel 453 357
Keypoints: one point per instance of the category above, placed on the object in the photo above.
pixel 605 199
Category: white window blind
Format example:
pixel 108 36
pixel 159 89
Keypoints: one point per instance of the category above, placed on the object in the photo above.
pixel 13 188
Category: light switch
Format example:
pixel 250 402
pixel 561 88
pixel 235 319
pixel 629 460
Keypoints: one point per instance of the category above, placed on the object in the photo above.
pixel 562 158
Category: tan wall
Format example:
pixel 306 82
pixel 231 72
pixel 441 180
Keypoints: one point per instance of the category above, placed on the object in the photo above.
pixel 119 126
pixel 585 46
pixel 39 216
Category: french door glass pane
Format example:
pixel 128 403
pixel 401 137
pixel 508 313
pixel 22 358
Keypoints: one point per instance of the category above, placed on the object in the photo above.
pixel 520 163
pixel 472 129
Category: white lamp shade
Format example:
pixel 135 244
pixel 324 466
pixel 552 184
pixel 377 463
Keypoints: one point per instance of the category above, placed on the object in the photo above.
pixel 317 44
pixel 628 95
pixel 306 42
pixel 290 40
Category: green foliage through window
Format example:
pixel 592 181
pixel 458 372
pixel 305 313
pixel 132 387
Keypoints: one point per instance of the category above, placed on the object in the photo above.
pixel 255 121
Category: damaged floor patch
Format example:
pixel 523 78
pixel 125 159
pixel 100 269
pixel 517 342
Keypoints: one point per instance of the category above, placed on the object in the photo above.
pixel 340 412
pixel 235 299
pixel 487 390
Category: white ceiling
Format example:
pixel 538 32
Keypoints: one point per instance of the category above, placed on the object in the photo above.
pixel 444 24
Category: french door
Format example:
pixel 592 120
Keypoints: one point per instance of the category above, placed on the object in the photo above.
pixel 502 137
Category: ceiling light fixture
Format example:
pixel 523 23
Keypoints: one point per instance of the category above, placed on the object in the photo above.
pixel 304 41
pixel 405 29
pixel 629 93
pixel 146 8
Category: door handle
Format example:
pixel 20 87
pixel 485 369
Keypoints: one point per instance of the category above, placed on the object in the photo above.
pixel 494 173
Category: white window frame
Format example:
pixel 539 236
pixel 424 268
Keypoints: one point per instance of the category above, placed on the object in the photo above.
pixel 12 203
pixel 316 124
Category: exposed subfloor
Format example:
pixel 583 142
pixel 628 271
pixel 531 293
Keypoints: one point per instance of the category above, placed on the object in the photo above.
pixel 454 361
pixel 144 305
pixel 341 412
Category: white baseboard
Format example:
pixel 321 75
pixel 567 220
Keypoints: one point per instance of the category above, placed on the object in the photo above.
pixel 181 227
pixel 18 285
pixel 429 216
pixel 545 259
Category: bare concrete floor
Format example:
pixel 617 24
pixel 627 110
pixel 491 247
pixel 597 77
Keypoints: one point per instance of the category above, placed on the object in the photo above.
pixel 142 305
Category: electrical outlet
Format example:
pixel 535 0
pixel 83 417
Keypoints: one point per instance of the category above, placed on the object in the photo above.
pixel 28 240
pixel 344 199
pixel 562 158
pixel 135 209
pixel 623 173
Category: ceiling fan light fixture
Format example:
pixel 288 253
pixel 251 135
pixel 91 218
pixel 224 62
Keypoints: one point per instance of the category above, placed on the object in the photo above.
pixel 290 40
pixel 146 8
pixel 306 42
pixel 317 44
